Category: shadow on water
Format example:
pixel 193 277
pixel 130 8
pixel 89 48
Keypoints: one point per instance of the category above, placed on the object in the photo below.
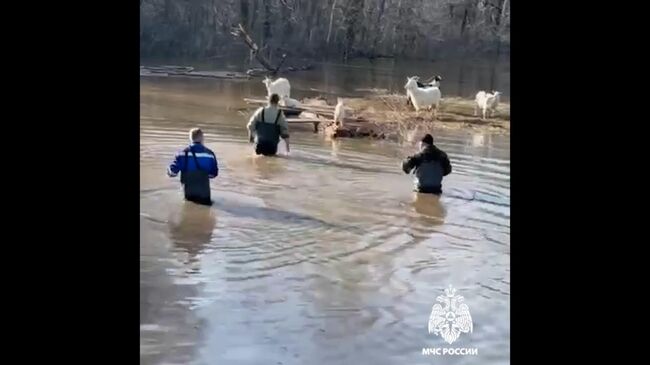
pixel 192 229
pixel 301 157
pixel 276 215
pixel 268 167
pixel 476 196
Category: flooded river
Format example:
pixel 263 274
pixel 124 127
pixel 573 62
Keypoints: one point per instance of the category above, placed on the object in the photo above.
pixel 319 257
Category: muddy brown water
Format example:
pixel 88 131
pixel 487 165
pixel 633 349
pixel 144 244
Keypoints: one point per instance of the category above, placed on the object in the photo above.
pixel 323 256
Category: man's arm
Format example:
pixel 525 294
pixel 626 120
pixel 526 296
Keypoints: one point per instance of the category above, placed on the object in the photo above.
pixel 214 167
pixel 284 126
pixel 410 163
pixel 251 124
pixel 446 165
pixel 176 166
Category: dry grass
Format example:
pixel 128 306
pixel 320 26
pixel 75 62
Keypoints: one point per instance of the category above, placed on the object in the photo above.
pixel 397 120
pixel 388 116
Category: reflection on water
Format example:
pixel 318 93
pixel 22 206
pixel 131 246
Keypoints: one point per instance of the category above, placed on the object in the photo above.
pixel 429 205
pixel 460 77
pixel 323 256
pixel 193 229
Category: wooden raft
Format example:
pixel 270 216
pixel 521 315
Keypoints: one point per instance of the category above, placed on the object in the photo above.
pixel 326 112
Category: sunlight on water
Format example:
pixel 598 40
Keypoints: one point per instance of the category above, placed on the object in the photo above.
pixel 323 256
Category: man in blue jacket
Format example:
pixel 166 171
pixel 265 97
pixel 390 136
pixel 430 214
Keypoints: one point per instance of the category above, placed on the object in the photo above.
pixel 197 165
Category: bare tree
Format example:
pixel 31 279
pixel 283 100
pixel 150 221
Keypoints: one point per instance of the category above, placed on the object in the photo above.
pixel 329 31
pixel 335 28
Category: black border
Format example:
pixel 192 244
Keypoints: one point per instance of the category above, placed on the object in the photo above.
pixel 74 175
pixel 567 174
pixel 74 199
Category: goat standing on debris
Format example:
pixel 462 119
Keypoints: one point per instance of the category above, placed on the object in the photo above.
pixel 339 112
pixel 421 98
pixel 435 81
pixel 487 103
pixel 280 86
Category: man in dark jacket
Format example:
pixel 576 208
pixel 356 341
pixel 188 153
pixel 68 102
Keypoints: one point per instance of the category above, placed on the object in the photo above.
pixel 197 165
pixel 430 165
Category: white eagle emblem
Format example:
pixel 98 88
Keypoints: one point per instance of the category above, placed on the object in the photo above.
pixel 452 319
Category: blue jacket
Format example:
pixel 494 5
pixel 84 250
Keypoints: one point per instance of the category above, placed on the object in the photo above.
pixel 204 156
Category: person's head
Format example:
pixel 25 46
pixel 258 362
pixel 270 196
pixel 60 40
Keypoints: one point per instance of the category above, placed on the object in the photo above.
pixel 196 135
pixel 274 99
pixel 426 141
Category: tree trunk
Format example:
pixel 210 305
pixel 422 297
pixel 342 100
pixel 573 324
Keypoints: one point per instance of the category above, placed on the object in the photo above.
pixel 351 18
pixel 495 63
pixel 243 8
pixel 365 26
pixel 503 11
pixel 397 28
pixel 329 31
pixel 266 29
pixel 312 15
pixel 463 24
pixel 286 19
pixel 493 72
pixel 380 14
pixel 253 19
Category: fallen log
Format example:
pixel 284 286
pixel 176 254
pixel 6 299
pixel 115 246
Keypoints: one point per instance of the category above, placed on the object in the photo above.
pixel 165 71
pixel 217 74
pixel 333 131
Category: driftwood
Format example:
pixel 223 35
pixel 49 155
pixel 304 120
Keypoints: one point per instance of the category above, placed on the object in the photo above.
pixel 263 72
pixel 268 69
pixel 181 71
pixel 167 69
pixel 333 131
pixel 241 33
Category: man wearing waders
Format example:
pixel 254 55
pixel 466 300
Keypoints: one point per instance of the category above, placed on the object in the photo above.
pixel 266 127
pixel 197 165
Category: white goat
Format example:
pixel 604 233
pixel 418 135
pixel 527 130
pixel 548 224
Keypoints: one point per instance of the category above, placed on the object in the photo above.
pixel 280 86
pixel 487 103
pixel 435 81
pixel 428 97
pixel 339 112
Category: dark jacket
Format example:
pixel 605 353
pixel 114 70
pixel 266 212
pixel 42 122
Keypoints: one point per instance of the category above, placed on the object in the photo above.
pixel 197 165
pixel 430 165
